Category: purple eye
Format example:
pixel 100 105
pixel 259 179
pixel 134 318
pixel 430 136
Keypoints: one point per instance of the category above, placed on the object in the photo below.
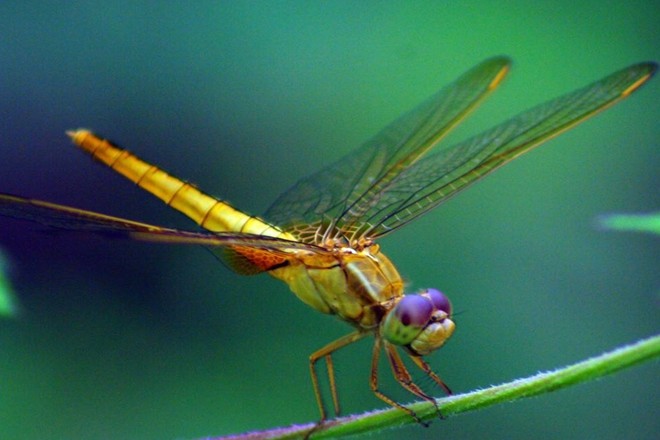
pixel 439 300
pixel 414 310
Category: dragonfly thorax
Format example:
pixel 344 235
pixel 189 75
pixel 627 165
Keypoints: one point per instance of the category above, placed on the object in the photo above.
pixel 359 286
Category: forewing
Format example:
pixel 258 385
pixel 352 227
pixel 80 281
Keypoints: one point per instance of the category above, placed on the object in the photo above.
pixel 245 253
pixel 436 178
pixel 344 191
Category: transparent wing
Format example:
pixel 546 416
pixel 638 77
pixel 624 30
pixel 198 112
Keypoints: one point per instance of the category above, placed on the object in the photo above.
pixel 436 178
pixel 344 191
pixel 65 217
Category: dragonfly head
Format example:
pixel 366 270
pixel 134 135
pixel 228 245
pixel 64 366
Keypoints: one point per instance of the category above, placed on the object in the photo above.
pixel 420 322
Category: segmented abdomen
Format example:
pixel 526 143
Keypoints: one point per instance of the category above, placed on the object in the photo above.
pixel 208 212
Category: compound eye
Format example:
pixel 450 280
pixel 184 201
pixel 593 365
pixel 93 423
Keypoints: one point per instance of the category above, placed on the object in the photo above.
pixel 407 319
pixel 414 311
pixel 439 300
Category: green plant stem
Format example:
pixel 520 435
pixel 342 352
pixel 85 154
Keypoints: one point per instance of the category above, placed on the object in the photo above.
pixel 586 370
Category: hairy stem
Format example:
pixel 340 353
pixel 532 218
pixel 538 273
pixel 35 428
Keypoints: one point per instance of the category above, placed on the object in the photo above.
pixel 372 422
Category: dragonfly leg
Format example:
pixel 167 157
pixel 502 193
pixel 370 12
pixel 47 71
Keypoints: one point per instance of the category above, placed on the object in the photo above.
pixel 421 363
pixel 326 353
pixel 333 383
pixel 400 373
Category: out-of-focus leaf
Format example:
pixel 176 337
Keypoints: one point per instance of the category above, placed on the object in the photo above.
pixel 8 303
pixel 631 222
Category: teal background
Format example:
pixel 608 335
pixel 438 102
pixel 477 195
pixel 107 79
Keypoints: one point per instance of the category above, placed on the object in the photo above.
pixel 145 341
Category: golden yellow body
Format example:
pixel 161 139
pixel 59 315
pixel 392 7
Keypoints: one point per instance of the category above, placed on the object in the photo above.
pixel 327 223
pixel 358 286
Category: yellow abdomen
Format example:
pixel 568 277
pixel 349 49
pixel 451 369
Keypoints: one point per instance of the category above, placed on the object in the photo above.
pixel 208 212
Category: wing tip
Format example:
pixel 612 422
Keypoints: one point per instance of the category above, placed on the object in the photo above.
pixel 503 60
pixel 501 64
pixel 645 71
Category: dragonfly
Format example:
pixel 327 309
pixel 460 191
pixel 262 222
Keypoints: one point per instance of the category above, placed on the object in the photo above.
pixel 320 236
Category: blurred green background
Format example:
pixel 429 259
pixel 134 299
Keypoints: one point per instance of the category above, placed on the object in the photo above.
pixel 145 341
